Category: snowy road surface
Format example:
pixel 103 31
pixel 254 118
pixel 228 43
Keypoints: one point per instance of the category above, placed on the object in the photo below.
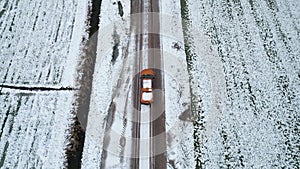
pixel 121 107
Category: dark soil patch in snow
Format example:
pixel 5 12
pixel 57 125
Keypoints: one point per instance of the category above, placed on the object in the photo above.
pixel 120 7
pixel 186 116
pixel 35 88
pixel 172 163
pixel 115 53
pixel 110 116
pixel 94 19
pixel 75 147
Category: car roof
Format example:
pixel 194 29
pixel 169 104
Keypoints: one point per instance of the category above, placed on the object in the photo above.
pixel 146 96
pixel 147 83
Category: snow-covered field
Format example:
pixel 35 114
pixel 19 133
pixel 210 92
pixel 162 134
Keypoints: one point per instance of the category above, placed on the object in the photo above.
pixel 39 50
pixel 257 45
pixel 34 129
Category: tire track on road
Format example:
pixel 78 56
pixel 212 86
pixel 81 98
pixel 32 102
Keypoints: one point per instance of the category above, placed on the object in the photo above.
pixel 157 110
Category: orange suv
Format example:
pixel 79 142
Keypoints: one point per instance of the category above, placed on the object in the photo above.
pixel 146 94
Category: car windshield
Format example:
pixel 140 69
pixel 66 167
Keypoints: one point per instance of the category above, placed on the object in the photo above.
pixel 147 76
pixel 147 95
pixel 147 83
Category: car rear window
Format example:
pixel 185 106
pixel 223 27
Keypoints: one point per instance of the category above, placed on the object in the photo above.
pixel 147 95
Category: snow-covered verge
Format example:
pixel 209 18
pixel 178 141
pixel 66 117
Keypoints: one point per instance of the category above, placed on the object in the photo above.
pixel 179 126
pixel 39 49
pixel 246 51
pixel 112 58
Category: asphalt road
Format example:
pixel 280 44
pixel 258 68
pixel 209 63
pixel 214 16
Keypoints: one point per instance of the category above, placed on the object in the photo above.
pixel 155 61
pixel 157 110
pixel 136 26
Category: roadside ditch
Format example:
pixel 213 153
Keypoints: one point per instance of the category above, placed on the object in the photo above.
pixel 190 55
pixel 84 80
